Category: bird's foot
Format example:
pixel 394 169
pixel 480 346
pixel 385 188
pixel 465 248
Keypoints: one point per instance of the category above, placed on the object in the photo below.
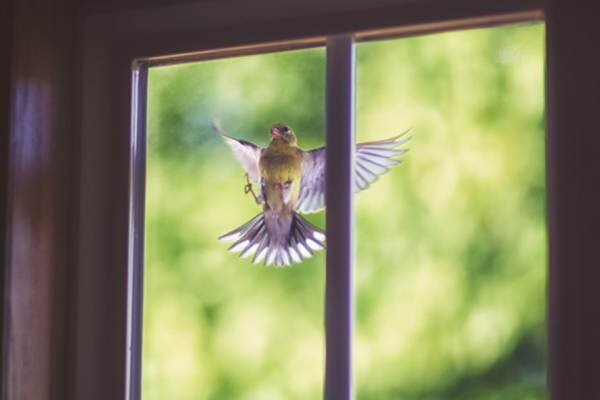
pixel 248 189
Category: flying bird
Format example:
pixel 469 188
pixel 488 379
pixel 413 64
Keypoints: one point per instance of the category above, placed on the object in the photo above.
pixel 292 181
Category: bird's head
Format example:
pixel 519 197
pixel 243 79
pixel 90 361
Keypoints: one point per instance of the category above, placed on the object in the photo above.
pixel 284 133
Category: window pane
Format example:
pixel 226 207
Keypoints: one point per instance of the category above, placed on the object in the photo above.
pixel 451 245
pixel 216 326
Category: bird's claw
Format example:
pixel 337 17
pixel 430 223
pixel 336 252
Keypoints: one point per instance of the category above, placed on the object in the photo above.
pixel 248 189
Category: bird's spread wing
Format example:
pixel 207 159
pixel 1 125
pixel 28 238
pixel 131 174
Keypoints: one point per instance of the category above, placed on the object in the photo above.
pixel 312 185
pixel 371 160
pixel 246 152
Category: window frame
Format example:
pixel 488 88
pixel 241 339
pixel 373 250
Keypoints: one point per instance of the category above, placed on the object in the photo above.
pixel 107 322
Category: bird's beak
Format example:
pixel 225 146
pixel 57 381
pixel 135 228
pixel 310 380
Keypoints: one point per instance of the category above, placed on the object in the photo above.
pixel 275 133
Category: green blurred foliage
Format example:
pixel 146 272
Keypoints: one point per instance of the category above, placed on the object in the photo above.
pixel 451 247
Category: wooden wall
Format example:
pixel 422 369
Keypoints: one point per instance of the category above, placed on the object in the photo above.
pixel 573 154
pixel 39 201
pixel 5 61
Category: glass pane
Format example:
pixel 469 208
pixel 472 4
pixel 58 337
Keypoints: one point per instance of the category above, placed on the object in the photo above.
pixel 451 244
pixel 217 326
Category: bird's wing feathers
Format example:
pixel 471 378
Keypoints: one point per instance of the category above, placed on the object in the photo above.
pixel 246 152
pixel 312 185
pixel 372 159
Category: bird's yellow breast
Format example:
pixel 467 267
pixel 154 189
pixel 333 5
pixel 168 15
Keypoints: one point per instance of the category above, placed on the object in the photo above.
pixel 280 163
pixel 281 166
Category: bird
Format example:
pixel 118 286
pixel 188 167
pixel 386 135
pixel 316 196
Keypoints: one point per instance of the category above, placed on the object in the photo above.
pixel 291 182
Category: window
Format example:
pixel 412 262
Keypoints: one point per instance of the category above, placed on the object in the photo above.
pixel 451 246
pixel 185 266
pixel 235 330
pixel 80 303
pixel 106 244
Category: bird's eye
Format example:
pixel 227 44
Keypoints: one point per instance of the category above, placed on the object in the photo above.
pixel 285 129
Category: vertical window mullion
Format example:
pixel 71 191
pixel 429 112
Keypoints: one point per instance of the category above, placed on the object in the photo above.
pixel 340 102
pixel 137 174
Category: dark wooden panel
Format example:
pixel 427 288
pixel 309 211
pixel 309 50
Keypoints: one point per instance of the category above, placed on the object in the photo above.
pixel 574 198
pixel 103 231
pixel 232 9
pixel 39 205
pixel 6 9
pixel 114 6
pixel 193 27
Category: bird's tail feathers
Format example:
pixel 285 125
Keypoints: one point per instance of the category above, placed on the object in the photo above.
pixel 276 240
